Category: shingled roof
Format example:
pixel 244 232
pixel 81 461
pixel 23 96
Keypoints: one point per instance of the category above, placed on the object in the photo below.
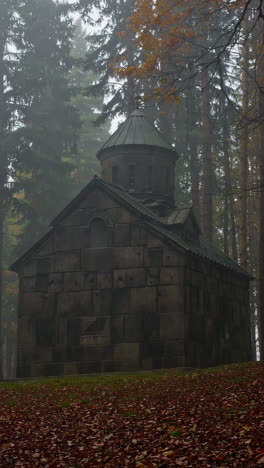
pixel 161 226
pixel 137 130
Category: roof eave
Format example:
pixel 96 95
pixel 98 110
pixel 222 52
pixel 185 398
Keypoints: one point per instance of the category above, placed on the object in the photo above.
pixel 136 147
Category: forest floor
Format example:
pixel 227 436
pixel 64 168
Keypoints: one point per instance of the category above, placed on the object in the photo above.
pixel 207 418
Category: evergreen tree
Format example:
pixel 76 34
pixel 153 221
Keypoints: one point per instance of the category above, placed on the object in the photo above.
pixel 10 28
pixel 110 47
pixel 49 121
pixel 90 137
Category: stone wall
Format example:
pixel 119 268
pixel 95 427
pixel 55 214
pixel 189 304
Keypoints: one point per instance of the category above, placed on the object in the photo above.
pixel 161 181
pixel 217 321
pixel 136 303
pixel 115 308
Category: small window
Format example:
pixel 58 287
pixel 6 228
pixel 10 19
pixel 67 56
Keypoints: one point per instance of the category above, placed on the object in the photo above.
pixel 131 176
pixel 115 175
pixel 149 181
pixel 98 234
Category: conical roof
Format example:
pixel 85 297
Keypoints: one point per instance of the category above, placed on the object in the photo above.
pixel 137 130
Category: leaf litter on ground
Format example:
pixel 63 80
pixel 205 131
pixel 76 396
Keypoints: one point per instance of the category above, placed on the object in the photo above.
pixel 207 418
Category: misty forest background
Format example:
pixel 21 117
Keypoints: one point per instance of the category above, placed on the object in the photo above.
pixel 71 70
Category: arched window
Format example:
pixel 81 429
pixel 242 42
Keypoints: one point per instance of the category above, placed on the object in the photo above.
pixel 131 176
pixel 98 234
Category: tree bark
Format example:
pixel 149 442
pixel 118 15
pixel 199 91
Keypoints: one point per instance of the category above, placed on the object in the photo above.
pixel 3 168
pixel 195 177
pixel 227 186
pixel 229 215
pixel 243 175
pixel 207 202
pixel 192 144
pixel 261 185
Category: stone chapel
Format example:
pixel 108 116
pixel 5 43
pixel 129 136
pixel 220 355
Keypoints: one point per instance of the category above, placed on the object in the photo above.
pixel 124 280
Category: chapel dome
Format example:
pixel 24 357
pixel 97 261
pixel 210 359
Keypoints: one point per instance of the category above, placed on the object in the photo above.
pixel 137 130
pixel 138 158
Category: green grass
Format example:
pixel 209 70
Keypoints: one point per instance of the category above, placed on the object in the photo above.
pixel 115 379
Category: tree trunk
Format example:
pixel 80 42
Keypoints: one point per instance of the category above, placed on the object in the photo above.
pixel 229 210
pixel 207 202
pixel 243 175
pixel 227 186
pixel 261 185
pixel 3 168
pixel 192 144
pixel 195 177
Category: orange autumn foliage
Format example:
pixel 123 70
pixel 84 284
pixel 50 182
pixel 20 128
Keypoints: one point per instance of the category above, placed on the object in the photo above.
pixel 167 31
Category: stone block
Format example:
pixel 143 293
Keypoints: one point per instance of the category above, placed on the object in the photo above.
pixel 127 365
pixel 122 235
pixel 75 304
pixel 53 369
pixel 55 282
pixel 172 362
pixel 59 353
pixel 26 355
pixel 24 371
pixel 199 280
pixel 174 348
pixel 30 267
pixel 97 259
pixel 171 326
pixel 171 275
pixel 73 281
pixel 44 265
pixel 120 301
pixel 36 370
pixel 45 332
pixel 43 354
pixel 94 340
pixel 108 366
pixel 70 368
pixel 120 279
pixel 117 329
pixel 67 261
pixel 170 299
pixel 136 277
pixel 68 238
pixel 101 302
pixel 104 280
pixel 32 303
pixel 127 352
pixel 29 283
pixel 143 300
pixel 154 242
pixel 153 276
pixel 89 367
pixel 128 257
pixel 74 331
pixel 139 235
pixel 42 283
pixel 153 257
pixel 173 258
pixel 88 352
pixel 133 327
pixel 74 219
pixel 121 215
pixel 26 331
pixel 147 364
pixel 90 280
pixel 150 326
